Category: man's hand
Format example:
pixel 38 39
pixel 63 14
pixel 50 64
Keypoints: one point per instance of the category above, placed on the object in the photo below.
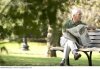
pixel 91 28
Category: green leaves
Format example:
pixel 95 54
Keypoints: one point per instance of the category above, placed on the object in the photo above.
pixel 32 16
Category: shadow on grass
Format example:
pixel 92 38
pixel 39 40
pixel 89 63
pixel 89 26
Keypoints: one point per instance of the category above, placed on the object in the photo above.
pixel 33 61
pixel 3 42
pixel 1 61
pixel 29 61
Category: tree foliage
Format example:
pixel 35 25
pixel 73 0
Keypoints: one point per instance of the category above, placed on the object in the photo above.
pixel 31 17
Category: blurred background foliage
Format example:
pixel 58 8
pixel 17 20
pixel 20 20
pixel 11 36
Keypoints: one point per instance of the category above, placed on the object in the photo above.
pixel 33 17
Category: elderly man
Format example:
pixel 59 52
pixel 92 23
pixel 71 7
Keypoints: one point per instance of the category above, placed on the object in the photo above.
pixel 66 41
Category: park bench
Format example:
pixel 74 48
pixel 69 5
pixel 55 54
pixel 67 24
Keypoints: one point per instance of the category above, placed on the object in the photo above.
pixel 95 46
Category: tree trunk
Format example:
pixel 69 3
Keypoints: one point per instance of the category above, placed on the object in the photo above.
pixel 52 40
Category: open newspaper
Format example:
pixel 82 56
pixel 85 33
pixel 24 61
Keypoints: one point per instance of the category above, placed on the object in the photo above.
pixel 81 33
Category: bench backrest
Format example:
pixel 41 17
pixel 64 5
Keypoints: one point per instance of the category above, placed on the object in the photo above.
pixel 95 38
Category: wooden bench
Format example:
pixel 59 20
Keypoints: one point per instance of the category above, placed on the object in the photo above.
pixel 95 46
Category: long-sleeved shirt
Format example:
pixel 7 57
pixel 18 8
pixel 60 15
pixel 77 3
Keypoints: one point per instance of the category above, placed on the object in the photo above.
pixel 69 24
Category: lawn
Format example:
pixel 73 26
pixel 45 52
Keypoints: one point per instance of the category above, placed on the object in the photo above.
pixel 29 61
pixel 37 56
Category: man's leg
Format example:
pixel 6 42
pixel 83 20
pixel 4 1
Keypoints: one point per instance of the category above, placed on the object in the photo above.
pixel 65 54
pixel 74 49
pixel 69 45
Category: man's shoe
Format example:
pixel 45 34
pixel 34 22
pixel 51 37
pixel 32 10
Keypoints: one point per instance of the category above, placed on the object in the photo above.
pixel 61 64
pixel 77 56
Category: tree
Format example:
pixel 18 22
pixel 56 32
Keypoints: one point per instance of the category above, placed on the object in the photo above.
pixel 35 17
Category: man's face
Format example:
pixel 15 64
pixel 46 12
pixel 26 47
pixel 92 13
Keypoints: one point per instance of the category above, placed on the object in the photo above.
pixel 77 16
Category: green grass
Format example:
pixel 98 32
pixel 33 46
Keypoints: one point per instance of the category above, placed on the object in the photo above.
pixel 37 56
pixel 29 61
pixel 37 61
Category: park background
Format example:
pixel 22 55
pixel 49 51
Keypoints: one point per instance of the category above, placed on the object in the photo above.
pixel 28 28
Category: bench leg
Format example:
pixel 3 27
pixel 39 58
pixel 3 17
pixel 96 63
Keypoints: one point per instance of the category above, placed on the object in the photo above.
pixel 89 56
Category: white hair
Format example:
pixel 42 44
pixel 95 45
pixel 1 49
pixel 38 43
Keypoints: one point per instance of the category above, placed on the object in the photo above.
pixel 75 10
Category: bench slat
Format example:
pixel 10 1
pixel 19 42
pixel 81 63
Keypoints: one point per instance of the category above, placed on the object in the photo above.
pixel 94 33
pixel 95 41
pixel 56 48
pixel 95 37
pixel 90 49
pixel 81 49
pixel 95 45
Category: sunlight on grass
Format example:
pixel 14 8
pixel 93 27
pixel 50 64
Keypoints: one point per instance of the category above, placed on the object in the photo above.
pixel 39 51
pixel 35 49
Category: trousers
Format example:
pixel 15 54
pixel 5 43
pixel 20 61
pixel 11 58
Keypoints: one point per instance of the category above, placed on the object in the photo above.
pixel 68 45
